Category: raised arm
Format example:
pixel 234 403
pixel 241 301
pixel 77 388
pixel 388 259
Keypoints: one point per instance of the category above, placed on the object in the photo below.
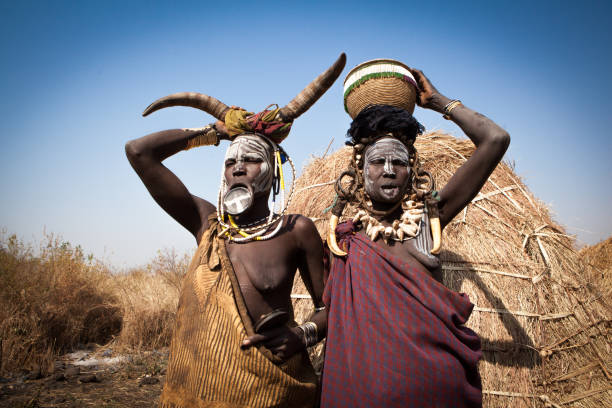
pixel 491 143
pixel 146 155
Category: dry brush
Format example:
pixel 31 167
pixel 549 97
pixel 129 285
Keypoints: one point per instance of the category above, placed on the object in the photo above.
pixel 54 299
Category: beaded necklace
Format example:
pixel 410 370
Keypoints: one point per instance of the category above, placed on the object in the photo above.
pixel 255 231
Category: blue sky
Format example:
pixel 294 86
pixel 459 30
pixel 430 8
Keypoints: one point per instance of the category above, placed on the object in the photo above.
pixel 75 77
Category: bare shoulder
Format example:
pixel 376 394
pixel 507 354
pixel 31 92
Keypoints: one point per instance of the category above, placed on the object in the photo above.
pixel 302 228
pixel 204 207
pixel 300 223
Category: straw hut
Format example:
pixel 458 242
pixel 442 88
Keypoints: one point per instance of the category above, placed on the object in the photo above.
pixel 545 331
pixel 599 259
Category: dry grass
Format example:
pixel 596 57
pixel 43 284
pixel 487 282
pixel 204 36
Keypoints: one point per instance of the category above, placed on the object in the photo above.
pixel 51 302
pixel 599 258
pixel 149 298
pixel 54 299
pixel 545 328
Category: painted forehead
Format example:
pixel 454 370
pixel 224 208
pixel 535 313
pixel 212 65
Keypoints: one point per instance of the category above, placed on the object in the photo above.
pixel 387 147
pixel 248 144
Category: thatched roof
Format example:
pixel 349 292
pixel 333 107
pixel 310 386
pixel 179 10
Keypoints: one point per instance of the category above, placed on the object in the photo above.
pixel 544 329
pixel 599 258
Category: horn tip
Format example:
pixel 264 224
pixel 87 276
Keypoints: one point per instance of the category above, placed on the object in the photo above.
pixel 147 110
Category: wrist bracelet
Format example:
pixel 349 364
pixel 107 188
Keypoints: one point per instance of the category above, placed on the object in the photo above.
pixel 310 331
pixel 449 107
pixel 318 309
pixel 207 137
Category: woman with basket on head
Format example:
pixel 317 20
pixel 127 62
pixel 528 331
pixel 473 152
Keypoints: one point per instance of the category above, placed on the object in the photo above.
pixel 395 334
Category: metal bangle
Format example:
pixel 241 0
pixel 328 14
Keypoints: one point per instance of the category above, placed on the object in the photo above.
pixel 207 137
pixel 449 107
pixel 310 331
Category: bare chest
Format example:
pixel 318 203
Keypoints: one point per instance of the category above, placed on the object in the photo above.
pixel 265 266
pixel 265 272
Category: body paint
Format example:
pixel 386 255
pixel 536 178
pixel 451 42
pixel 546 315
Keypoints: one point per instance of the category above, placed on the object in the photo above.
pixel 389 150
pixel 243 148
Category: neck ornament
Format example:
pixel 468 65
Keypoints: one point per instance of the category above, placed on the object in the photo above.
pixel 407 227
pixel 256 231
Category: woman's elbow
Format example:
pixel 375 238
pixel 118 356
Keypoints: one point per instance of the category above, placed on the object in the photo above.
pixel 501 139
pixel 133 151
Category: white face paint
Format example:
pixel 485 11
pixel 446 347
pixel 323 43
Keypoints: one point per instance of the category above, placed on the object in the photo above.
pixel 247 148
pixel 386 183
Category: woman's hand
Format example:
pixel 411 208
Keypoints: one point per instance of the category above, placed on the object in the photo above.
pixel 283 342
pixel 428 96
pixel 222 129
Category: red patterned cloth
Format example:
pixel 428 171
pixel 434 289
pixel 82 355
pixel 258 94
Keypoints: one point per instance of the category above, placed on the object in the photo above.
pixel 266 122
pixel 395 335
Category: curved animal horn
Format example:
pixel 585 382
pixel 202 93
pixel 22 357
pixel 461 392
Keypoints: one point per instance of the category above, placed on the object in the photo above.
pixel 193 99
pixel 331 238
pixel 333 223
pixel 434 224
pixel 436 234
pixel 313 91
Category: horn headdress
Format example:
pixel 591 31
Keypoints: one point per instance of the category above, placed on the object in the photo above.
pixel 192 99
pixel 274 123
pixel 270 124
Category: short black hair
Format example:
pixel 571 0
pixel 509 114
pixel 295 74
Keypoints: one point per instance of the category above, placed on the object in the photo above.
pixel 376 120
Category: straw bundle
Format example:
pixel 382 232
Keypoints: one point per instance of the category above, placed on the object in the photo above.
pixel 544 329
pixel 599 258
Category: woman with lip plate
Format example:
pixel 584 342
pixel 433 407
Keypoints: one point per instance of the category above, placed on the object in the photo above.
pixel 396 335
pixel 235 343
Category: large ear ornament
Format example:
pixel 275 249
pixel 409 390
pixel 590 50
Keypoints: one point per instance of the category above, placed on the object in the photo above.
pixel 436 234
pixel 434 223
pixel 333 223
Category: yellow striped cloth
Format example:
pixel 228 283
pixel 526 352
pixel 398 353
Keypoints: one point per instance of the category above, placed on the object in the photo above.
pixel 207 368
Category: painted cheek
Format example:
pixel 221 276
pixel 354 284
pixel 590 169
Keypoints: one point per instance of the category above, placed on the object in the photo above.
pixel 227 174
pixel 367 176
pixel 370 178
pixel 262 180
pixel 405 175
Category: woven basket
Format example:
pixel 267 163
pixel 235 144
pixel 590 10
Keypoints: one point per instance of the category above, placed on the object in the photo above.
pixel 379 85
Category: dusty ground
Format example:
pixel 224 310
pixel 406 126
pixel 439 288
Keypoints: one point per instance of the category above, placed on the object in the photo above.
pixel 95 378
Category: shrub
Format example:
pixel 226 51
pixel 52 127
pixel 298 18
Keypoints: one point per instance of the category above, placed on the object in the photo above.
pixel 51 301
